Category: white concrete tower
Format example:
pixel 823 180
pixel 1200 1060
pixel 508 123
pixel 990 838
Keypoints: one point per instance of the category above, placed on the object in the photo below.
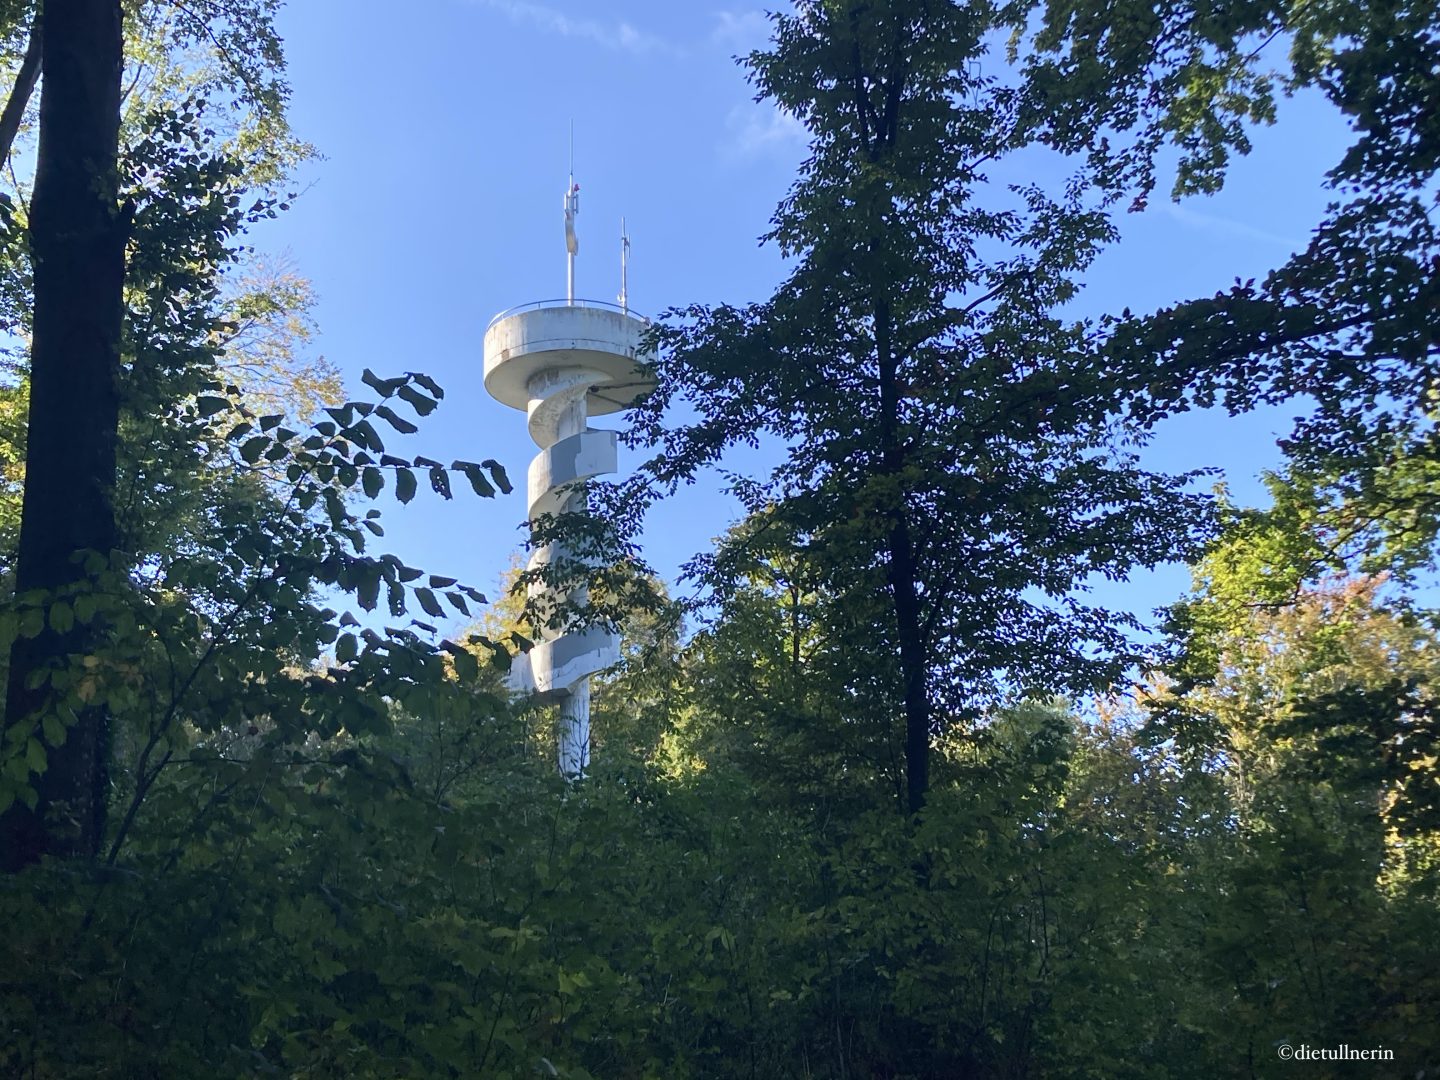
pixel 563 361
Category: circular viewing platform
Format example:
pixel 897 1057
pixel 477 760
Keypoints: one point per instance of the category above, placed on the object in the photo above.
pixel 550 335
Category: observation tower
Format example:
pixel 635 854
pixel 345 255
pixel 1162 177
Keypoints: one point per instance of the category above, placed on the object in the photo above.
pixel 562 362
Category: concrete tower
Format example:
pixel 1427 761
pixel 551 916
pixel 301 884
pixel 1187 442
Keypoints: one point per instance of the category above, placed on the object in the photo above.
pixel 561 362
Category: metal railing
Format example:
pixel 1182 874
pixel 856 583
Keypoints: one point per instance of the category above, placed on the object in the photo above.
pixel 535 305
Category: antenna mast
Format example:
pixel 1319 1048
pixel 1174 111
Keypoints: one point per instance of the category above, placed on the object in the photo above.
pixel 624 267
pixel 572 207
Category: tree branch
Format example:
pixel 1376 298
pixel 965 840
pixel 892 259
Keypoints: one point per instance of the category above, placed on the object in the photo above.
pixel 19 100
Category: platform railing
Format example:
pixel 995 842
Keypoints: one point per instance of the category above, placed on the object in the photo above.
pixel 535 305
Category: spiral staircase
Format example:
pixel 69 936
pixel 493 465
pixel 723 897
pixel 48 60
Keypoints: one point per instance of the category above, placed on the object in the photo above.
pixel 563 361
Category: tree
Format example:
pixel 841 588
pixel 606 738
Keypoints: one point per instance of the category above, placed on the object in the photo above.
pixel 208 485
pixel 1352 321
pixel 1304 677
pixel 774 688
pixel 943 447
pixel 171 335
pixel 1302 713
pixel 78 232
pixel 1298 635
pixel 213 663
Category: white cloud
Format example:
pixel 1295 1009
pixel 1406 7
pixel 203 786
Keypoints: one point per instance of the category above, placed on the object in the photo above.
pixel 754 130
pixel 742 32
pixel 621 35
pixel 1214 223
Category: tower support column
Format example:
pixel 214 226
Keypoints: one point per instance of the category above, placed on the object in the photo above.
pixel 573 730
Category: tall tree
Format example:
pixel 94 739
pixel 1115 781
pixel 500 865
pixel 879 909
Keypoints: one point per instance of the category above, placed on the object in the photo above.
pixel 915 367
pixel 77 233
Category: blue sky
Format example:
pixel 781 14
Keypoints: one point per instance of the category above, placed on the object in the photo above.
pixel 445 131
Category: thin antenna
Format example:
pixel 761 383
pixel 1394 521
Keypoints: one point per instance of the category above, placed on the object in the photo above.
pixel 624 267
pixel 572 207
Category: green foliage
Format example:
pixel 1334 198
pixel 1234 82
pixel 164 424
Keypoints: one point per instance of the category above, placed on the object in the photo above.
pixel 332 849
pixel 1351 320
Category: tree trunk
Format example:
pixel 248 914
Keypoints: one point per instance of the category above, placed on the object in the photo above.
pixel 879 134
pixel 903 573
pixel 77 236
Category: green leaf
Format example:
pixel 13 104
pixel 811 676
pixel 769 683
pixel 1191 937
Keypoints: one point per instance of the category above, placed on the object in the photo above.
pixel 62 617
pixel 405 485
pixel 428 601
pixel 482 486
pixel 398 422
pixel 497 471
pixel 85 607
pixel 346 648
pixel 253 448
pixel 440 481
pixel 364 434
pixel 466 666
pixel 35 756
pixel 54 730
pixel 373 481
pixel 209 405
pixel 32 621
pixel 367 591
pixel 423 405
pixel 383 387
pixel 429 384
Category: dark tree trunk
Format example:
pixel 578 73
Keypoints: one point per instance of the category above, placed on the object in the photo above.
pixel 912 665
pixel 77 238
pixel 903 574
pixel 879 134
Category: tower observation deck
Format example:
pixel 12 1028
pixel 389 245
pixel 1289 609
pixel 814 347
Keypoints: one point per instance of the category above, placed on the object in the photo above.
pixel 562 362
